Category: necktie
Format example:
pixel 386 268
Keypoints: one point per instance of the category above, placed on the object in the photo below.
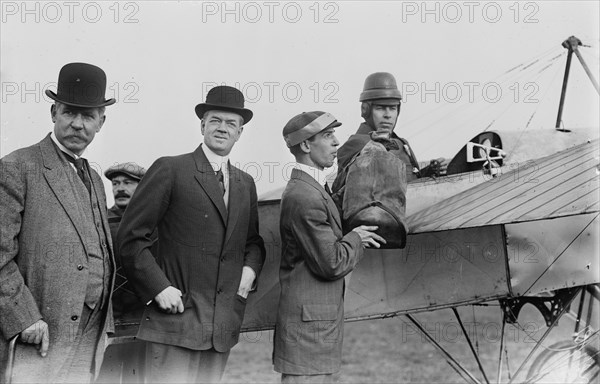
pixel 81 167
pixel 221 181
pixel 327 189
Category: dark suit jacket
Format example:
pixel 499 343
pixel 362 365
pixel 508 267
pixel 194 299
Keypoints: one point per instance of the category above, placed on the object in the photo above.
pixel 127 307
pixel 315 258
pixel 43 253
pixel 202 248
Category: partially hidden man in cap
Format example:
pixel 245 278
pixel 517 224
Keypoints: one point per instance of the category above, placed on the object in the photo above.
pixel 123 361
pixel 124 178
pixel 210 253
pixel 56 261
pixel 315 258
pixel 380 108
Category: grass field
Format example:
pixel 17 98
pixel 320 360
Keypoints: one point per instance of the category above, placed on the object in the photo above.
pixel 391 351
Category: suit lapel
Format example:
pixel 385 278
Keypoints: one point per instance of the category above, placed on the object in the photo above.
pixel 55 173
pixel 301 175
pixel 209 183
pixel 235 200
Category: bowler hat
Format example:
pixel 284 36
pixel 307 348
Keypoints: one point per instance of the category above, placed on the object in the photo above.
pixel 131 170
pixel 225 98
pixel 307 124
pixel 81 85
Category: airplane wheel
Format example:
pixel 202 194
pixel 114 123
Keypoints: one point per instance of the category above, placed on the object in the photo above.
pixel 566 362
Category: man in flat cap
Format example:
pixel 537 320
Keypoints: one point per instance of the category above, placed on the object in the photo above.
pixel 125 178
pixel 315 258
pixel 123 361
pixel 210 253
pixel 56 261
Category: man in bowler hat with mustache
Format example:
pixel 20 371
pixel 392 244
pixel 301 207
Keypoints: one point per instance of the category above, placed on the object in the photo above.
pixel 209 253
pixel 56 261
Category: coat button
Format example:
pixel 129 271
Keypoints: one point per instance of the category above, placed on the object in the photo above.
pixel 74 317
pixel 79 267
pixel 222 259
pixel 219 291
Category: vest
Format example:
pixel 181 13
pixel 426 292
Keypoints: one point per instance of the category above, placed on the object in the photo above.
pixel 96 246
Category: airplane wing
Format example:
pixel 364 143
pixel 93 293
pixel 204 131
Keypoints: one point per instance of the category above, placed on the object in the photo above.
pixel 559 185
pixel 528 232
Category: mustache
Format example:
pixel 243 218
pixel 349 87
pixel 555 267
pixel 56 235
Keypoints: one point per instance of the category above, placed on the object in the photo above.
pixel 122 194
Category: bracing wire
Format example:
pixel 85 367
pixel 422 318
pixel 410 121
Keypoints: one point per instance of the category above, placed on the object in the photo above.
pixel 540 63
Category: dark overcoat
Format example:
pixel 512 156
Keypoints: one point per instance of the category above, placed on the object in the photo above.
pixel 202 248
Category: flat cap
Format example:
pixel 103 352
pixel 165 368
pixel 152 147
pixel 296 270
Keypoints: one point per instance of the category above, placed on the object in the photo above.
pixel 306 125
pixel 130 169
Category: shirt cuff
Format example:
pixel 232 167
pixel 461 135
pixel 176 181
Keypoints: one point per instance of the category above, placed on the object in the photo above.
pixel 251 271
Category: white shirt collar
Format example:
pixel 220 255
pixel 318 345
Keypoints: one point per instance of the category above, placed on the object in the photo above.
pixel 62 147
pixel 219 162
pixel 319 175
pixel 216 161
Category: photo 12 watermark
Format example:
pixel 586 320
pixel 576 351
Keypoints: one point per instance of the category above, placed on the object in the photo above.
pixel 451 332
pixel 453 92
pixel 35 92
pixel 253 12
pixel 283 92
pixel 453 12
pixel 126 12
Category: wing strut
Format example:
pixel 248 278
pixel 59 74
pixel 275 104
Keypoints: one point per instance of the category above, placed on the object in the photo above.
pixel 571 44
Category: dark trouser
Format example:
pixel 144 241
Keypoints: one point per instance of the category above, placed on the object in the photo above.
pixel 309 379
pixel 173 364
pixel 123 363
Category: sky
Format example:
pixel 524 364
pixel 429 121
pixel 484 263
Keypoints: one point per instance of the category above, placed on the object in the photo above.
pixel 463 67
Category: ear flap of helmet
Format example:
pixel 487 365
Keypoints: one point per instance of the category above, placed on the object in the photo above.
pixel 365 109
